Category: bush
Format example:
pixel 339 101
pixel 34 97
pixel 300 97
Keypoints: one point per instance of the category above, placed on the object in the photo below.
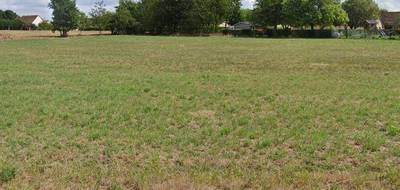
pixel 312 33
pixel 243 33
pixel 45 26
pixel 285 33
pixel 7 173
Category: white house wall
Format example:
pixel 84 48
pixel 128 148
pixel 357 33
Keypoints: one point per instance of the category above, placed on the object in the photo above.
pixel 37 21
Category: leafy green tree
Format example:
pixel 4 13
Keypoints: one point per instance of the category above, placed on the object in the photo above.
pixel 84 23
pixel 9 21
pixel 100 16
pixel 313 13
pixel 65 16
pixel 8 14
pixel 269 13
pixel 172 13
pixel 123 21
pixel 45 26
pixel 146 13
pixel 234 12
pixel 218 9
pixel 246 15
pixel 293 12
pixel 359 11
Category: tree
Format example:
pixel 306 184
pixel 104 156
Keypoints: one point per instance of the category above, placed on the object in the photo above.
pixel 172 14
pixel 313 13
pixel 84 23
pixel 45 26
pixel 8 14
pixel 269 13
pixel 100 16
pixel 234 13
pixel 359 11
pixel 146 14
pixel 246 15
pixel 123 21
pixel 333 14
pixel 293 12
pixel 65 16
pixel 218 11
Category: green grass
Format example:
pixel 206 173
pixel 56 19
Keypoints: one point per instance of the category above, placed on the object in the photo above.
pixel 125 112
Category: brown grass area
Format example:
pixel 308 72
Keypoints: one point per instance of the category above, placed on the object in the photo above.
pixel 22 34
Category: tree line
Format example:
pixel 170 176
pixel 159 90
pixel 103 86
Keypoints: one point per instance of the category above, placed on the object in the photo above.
pixel 204 16
pixel 9 20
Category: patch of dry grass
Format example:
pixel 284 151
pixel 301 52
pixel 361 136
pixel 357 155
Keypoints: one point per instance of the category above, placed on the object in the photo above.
pixel 36 34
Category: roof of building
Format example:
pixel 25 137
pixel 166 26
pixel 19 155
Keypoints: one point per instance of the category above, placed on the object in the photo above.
pixel 28 19
pixel 243 26
pixel 390 18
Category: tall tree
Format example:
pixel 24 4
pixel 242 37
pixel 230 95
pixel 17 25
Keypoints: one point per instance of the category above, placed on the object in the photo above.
pixel 313 13
pixel 65 15
pixel 269 13
pixel 234 12
pixel 100 16
pixel 359 11
pixel 124 22
pixel 246 15
pixel 172 14
pixel 293 11
pixel 11 15
pixel 84 22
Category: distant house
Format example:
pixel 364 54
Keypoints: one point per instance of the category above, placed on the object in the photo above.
pixel 390 20
pixel 32 20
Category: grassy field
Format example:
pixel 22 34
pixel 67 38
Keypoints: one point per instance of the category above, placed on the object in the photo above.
pixel 126 112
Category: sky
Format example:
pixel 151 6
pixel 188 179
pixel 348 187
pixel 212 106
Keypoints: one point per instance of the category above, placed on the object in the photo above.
pixel 39 7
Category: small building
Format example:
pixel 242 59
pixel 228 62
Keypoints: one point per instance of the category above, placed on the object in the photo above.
pixel 32 20
pixel 390 20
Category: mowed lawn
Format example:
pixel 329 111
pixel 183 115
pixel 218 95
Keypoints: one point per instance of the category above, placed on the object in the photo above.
pixel 132 112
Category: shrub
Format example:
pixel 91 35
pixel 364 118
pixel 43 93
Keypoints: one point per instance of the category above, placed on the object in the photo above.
pixel 7 173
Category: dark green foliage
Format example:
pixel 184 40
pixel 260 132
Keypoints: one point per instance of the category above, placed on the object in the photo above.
pixel 45 26
pixel 246 14
pixel 100 17
pixel 311 13
pixel 235 12
pixel 65 15
pixel 7 24
pixel 123 21
pixel 173 16
pixel 84 23
pixel 7 173
pixel 360 10
pixel 8 14
pixel 9 21
pixel 269 13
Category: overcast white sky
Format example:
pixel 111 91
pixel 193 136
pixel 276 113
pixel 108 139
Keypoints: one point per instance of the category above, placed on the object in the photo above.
pixel 29 7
